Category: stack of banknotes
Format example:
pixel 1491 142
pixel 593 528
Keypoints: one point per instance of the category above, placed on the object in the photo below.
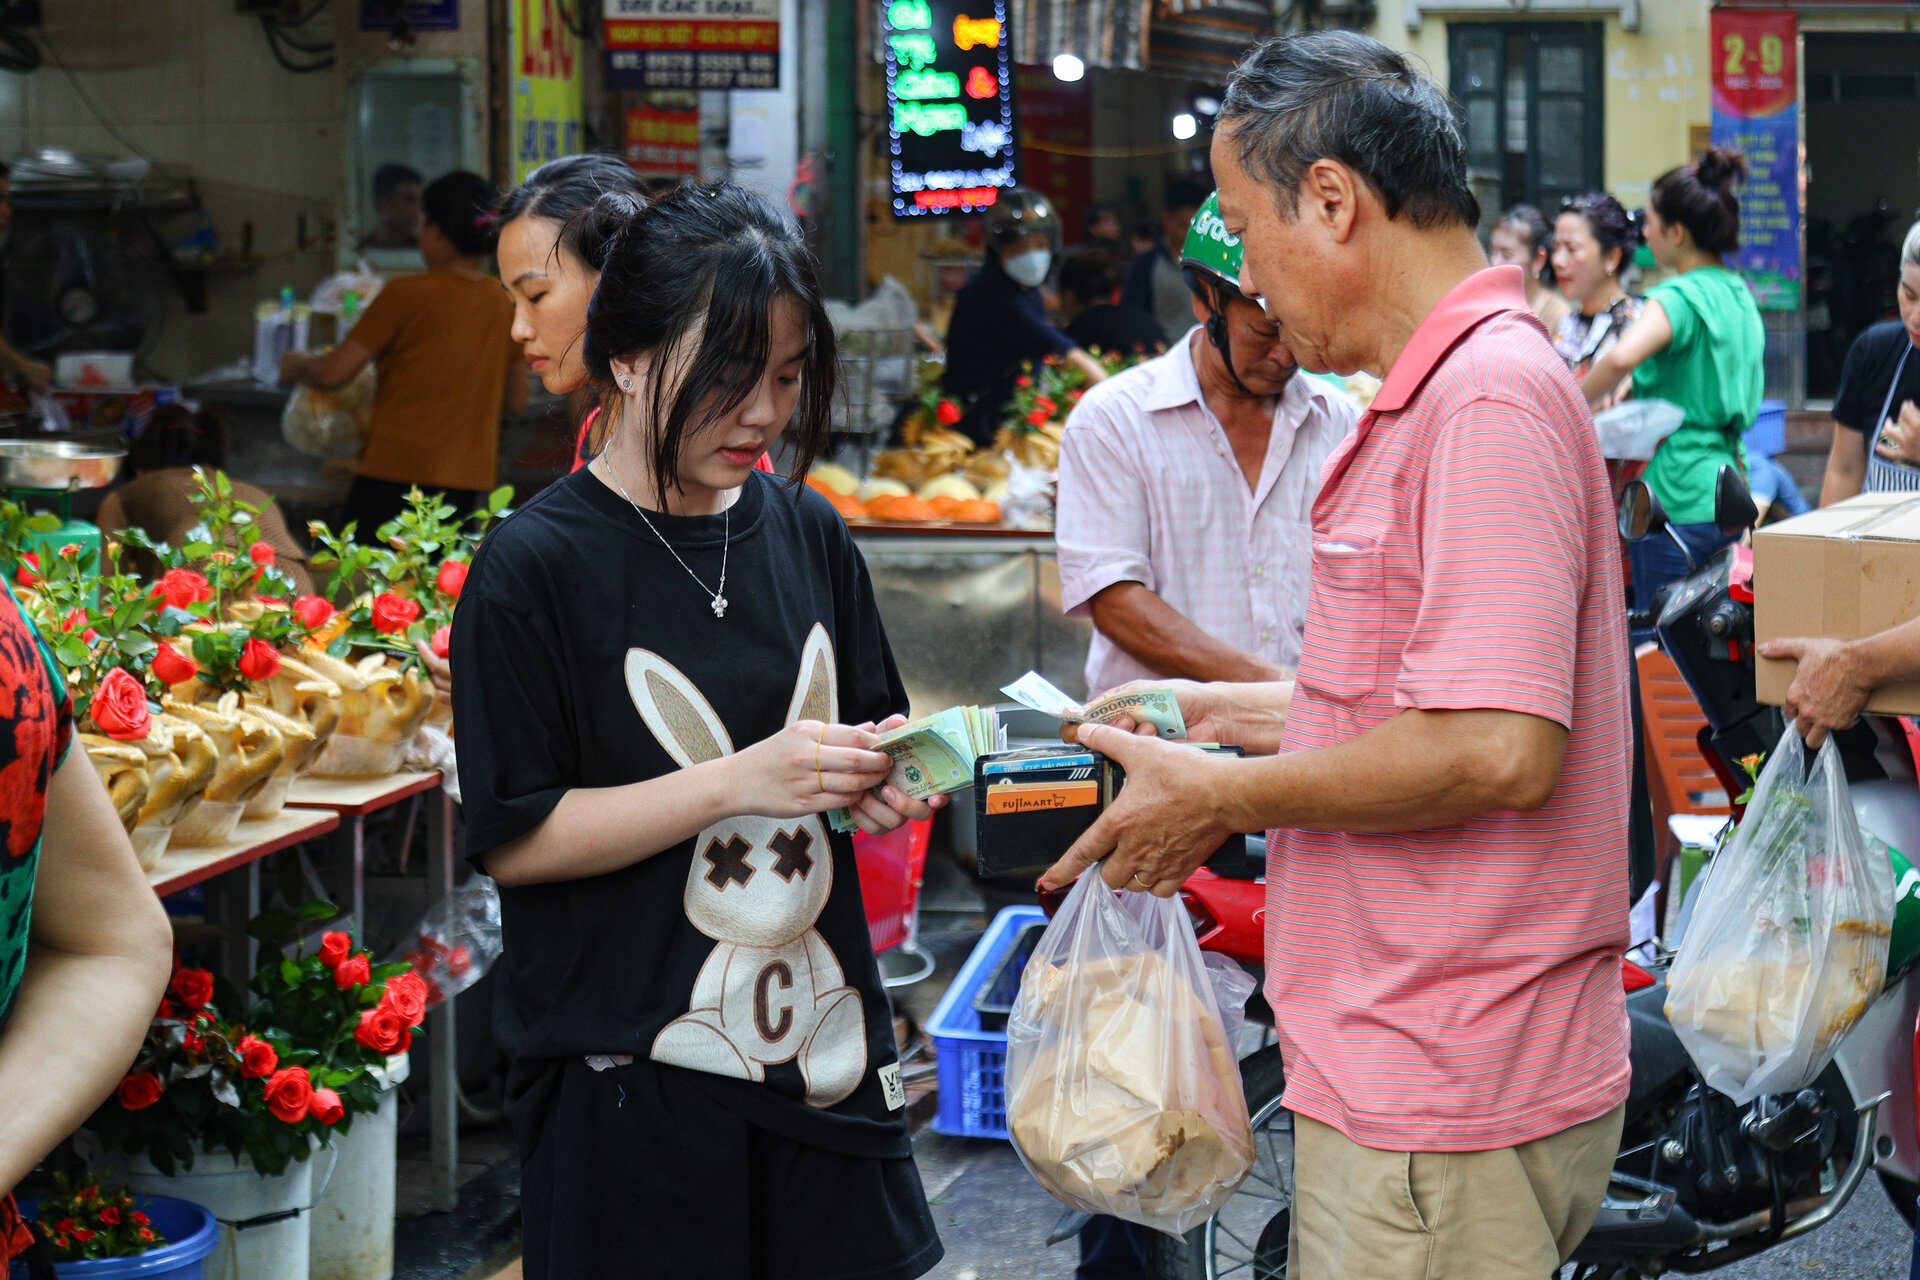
pixel 934 755
pixel 1157 707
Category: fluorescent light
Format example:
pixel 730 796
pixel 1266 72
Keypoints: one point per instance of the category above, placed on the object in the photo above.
pixel 1185 126
pixel 1207 106
pixel 1068 68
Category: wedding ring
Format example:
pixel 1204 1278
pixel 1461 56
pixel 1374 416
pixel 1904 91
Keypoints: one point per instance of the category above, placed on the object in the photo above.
pixel 1142 882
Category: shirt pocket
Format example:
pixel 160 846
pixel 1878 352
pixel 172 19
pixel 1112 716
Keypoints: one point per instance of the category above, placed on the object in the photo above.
pixel 1345 643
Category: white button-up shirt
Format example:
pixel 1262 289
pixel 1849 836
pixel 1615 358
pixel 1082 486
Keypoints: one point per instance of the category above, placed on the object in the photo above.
pixel 1150 492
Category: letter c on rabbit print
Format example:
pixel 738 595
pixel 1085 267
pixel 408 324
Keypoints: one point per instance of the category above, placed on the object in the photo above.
pixel 771 991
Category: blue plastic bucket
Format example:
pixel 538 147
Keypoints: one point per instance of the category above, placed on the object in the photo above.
pixel 190 1231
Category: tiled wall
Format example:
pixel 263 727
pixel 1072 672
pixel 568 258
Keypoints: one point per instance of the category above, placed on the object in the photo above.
pixel 193 83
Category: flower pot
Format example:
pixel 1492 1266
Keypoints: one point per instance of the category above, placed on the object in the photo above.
pixel 352 1235
pixel 180 763
pixel 347 755
pixel 265 1222
pixel 190 1232
pixel 150 845
pixel 270 799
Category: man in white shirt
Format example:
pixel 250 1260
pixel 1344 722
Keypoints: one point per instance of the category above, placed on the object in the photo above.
pixel 1184 520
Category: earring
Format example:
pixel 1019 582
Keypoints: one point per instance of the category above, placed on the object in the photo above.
pixel 626 384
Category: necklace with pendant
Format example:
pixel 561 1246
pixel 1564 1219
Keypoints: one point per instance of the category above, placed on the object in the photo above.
pixel 718 602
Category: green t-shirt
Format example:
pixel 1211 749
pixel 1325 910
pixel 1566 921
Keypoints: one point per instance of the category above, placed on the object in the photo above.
pixel 36 719
pixel 1713 369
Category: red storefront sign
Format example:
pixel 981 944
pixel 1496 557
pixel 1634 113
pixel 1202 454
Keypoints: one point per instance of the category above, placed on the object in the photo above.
pixel 663 141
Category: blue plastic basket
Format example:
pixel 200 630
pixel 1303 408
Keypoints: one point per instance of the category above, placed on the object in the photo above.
pixel 190 1231
pixel 972 1062
pixel 1768 434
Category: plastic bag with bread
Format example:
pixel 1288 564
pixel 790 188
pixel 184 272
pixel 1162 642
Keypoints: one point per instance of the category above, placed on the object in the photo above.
pixel 1788 943
pixel 1123 1090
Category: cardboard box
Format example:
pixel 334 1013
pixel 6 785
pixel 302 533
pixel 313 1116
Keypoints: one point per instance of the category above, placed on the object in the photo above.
pixel 1844 572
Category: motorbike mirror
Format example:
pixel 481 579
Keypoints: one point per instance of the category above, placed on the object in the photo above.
pixel 1641 514
pixel 1734 511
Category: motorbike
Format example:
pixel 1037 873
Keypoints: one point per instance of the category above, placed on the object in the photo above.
pixel 1699 1182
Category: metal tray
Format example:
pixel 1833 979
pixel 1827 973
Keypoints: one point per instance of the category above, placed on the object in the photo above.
pixel 57 465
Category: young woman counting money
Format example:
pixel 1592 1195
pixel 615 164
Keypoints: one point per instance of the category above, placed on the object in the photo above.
pixel 671 668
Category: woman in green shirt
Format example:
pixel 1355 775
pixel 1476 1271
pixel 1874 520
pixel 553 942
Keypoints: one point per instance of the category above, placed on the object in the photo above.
pixel 1699 344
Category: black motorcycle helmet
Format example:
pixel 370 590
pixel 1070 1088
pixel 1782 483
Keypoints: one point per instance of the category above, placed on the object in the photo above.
pixel 1017 214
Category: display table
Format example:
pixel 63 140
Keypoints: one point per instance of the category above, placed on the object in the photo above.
pixel 252 841
pixel 349 801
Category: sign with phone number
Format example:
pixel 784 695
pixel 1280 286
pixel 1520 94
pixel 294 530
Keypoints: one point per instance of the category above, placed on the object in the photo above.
pixel 693 44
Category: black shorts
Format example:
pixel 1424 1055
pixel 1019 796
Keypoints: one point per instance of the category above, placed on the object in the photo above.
pixel 635 1172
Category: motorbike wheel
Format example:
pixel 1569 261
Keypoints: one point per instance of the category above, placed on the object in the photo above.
pixel 1247 1239
pixel 1903 1194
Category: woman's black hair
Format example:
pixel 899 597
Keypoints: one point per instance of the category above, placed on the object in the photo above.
pixel 1528 222
pixel 1091 276
pixel 176 436
pixel 1699 197
pixel 564 189
pixel 1608 221
pixel 460 204
pixel 704 264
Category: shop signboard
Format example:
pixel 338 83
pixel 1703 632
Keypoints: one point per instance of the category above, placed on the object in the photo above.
pixel 663 140
pixel 419 15
pixel 950 126
pixel 548 106
pixel 693 44
pixel 1756 110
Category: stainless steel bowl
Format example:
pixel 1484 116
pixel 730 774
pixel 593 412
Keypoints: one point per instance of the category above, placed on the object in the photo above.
pixel 60 465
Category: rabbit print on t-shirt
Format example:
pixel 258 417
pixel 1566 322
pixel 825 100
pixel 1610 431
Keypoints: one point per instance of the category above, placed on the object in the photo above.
pixel 772 991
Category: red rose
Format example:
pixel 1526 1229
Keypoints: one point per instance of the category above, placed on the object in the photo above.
pixel 354 971
pixel 66 1225
pixel 83 1235
pixel 120 707
pixel 182 587
pixel 166 1008
pixel 140 1219
pixel 313 611
pixel 258 1060
pixel 406 995
pixel 192 1042
pixel 1023 381
pixel 335 946
pixel 393 614
pixel 327 1108
pixel 27 572
pixel 110 1216
pixel 170 666
pixel 459 960
pixel 193 986
pixel 261 553
pixel 442 642
pixel 75 620
pixel 1046 402
pixel 382 1031
pixel 146 1234
pixel 1038 417
pixel 139 1091
pixel 272 601
pixel 947 413
pixel 452 577
pixel 289 1094
pixel 259 660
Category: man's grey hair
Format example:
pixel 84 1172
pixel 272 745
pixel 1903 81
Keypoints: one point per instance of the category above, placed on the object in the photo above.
pixel 1910 251
pixel 1339 95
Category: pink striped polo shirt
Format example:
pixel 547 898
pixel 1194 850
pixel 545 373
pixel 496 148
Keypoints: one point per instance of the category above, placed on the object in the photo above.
pixel 1458 988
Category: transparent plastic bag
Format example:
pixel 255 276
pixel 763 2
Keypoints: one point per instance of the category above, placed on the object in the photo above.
pixel 329 424
pixel 457 941
pixel 1787 947
pixel 1123 1088
pixel 1632 430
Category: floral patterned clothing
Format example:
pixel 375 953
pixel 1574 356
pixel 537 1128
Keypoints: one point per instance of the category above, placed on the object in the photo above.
pixel 36 727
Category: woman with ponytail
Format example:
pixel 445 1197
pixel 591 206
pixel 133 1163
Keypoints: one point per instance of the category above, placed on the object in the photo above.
pixel 1698 344
pixel 671 670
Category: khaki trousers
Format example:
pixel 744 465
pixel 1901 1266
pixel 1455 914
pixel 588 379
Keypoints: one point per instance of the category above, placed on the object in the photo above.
pixel 1512 1214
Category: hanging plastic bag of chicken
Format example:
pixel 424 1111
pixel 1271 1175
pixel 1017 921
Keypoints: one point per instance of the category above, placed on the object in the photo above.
pixel 1788 943
pixel 1123 1091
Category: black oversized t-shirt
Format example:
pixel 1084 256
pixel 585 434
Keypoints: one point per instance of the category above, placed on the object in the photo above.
pixel 1868 372
pixel 589 658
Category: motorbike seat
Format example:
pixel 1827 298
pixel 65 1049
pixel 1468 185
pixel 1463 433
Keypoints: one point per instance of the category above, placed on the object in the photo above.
pixel 1240 858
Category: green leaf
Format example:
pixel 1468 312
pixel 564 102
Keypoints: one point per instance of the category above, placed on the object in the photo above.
pixel 498 500
pixel 317 909
pixel 137 644
pixel 290 972
pixel 274 927
pixel 72 651
pixel 45 522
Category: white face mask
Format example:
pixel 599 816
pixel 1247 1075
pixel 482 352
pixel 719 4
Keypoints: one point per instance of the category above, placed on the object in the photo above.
pixel 1029 268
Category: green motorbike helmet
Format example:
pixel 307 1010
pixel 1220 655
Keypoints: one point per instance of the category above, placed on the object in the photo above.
pixel 1210 261
pixel 1211 249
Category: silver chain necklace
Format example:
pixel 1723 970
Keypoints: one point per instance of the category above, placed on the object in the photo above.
pixel 719 602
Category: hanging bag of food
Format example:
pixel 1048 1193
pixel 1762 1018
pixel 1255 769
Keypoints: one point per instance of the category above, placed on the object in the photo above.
pixel 1123 1090
pixel 1788 943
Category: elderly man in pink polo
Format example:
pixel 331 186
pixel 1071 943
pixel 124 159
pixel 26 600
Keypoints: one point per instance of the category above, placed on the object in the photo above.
pixel 1445 786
